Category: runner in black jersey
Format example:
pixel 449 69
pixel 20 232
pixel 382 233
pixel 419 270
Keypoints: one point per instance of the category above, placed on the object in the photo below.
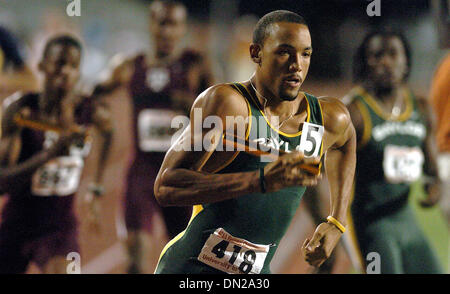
pixel 244 204
pixel 162 84
pixel 42 152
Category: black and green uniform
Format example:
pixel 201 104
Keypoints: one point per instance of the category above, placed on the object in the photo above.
pixel 389 159
pixel 258 218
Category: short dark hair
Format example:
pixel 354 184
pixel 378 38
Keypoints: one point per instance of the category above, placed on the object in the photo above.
pixel 260 31
pixel 65 40
pixel 360 57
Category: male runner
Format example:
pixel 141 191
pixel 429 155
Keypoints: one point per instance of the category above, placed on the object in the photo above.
pixel 242 204
pixel 395 133
pixel 162 84
pixel 42 151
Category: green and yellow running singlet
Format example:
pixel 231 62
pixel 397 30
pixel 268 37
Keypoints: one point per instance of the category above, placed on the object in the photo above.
pixel 241 235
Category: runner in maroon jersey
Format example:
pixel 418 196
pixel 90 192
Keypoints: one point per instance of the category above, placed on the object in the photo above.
pixel 162 84
pixel 42 153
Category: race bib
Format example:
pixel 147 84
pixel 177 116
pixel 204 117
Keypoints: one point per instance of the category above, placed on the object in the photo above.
pixel 402 164
pixel 233 255
pixel 311 139
pixel 154 130
pixel 59 176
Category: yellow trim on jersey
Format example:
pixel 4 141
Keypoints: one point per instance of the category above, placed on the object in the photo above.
pixel 196 209
pixel 381 112
pixel 247 133
pixel 321 144
pixel 276 130
pixel 367 120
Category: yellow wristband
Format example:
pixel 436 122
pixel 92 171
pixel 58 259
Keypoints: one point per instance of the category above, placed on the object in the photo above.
pixel 336 223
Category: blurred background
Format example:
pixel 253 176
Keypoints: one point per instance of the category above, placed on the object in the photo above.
pixel 221 29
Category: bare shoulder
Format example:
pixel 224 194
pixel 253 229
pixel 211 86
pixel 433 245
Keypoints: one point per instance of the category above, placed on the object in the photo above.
pixel 222 100
pixel 335 113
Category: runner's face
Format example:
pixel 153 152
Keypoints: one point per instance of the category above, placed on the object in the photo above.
pixel 386 61
pixel 61 67
pixel 168 25
pixel 285 59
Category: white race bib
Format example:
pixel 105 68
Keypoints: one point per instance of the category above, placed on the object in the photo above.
pixel 311 139
pixel 402 164
pixel 59 176
pixel 233 255
pixel 154 129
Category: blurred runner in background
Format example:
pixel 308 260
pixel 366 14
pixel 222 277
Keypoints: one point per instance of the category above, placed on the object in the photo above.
pixel 42 154
pixel 163 83
pixel 395 148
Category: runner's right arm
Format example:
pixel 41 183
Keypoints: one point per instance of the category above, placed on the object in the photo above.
pixel 180 181
pixel 10 146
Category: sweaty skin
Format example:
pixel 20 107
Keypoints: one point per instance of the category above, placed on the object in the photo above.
pixel 186 177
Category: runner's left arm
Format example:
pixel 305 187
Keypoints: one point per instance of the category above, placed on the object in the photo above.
pixel 340 163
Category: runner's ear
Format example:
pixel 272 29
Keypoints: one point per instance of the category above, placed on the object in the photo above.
pixel 255 53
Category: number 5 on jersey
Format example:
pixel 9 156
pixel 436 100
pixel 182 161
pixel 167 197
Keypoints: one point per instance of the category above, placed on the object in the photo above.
pixel 311 140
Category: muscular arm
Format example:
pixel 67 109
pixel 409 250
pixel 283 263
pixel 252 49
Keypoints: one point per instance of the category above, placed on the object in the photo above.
pixel 180 181
pixel 340 162
pixel 340 159
pixel 357 120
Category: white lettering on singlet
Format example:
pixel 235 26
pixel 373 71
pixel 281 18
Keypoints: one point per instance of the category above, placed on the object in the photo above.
pixel 411 128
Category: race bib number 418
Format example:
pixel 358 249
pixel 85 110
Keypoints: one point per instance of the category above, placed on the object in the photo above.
pixel 233 255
